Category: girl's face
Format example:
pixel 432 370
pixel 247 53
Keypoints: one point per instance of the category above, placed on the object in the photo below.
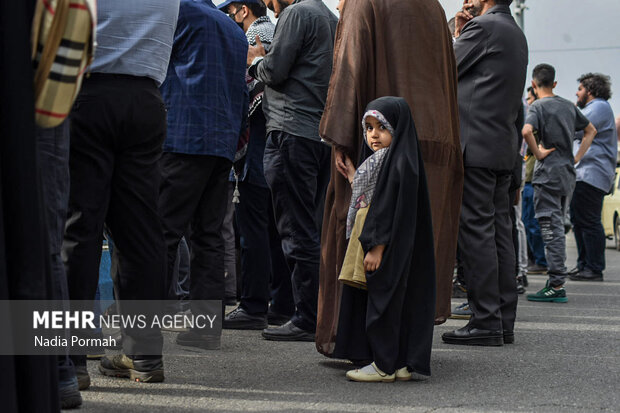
pixel 377 136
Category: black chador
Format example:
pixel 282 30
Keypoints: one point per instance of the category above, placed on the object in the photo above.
pixel 392 322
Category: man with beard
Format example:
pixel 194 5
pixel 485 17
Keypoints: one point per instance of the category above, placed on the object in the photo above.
pixel 296 76
pixel 369 62
pixel 595 177
pixel 491 54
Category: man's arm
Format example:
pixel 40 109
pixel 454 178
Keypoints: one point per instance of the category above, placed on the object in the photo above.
pixel 586 141
pixel 286 45
pixel 461 18
pixel 538 151
pixel 469 47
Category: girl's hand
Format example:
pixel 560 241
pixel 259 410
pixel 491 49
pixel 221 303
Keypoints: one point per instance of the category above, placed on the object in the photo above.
pixel 349 168
pixel 373 258
pixel 341 162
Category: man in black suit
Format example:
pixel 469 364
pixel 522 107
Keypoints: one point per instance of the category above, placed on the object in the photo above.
pixel 491 54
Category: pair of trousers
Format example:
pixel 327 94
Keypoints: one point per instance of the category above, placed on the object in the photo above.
pixel 487 250
pixel 194 195
pixel 518 236
pixel 297 172
pixel 262 260
pixel 550 211
pixel 53 162
pixel 532 229
pixel 118 126
pixel 230 246
pixel 585 211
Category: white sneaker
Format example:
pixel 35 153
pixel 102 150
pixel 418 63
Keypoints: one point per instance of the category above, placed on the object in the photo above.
pixel 370 374
pixel 403 374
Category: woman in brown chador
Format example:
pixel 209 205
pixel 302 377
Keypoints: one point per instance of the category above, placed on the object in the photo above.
pixel 400 48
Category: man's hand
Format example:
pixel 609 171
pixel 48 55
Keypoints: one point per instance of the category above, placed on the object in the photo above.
pixel 276 8
pixel 543 152
pixel 539 151
pixel 255 51
pixel 586 141
pixel 462 17
pixel 373 258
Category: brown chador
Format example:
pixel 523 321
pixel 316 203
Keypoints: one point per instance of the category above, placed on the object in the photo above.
pixel 399 48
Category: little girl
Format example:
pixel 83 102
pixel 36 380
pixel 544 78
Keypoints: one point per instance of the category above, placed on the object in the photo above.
pixel 390 251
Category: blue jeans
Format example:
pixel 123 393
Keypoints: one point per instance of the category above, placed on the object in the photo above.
pixel 532 229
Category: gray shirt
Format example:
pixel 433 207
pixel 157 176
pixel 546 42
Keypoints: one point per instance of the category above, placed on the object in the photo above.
pixel 598 165
pixel 297 69
pixel 556 120
pixel 135 37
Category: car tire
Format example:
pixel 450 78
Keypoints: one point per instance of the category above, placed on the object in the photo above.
pixel 617 232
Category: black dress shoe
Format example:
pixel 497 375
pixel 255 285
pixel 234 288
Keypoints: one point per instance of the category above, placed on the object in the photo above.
pixel 277 319
pixel 193 339
pixel 287 332
pixel 239 319
pixel 230 301
pixel 509 337
pixel 586 275
pixel 472 336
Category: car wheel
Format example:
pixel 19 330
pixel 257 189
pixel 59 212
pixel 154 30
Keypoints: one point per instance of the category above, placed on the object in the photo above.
pixel 617 232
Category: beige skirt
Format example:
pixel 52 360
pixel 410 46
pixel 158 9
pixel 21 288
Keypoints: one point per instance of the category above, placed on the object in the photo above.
pixel 352 272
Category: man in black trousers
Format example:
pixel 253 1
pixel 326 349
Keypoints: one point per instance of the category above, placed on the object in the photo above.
pixel 491 54
pixel 296 75
pixel 118 126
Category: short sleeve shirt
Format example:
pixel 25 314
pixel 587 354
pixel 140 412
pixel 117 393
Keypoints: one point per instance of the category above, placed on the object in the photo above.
pixel 598 165
pixel 556 120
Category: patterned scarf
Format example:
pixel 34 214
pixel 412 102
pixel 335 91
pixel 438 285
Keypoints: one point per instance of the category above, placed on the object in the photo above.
pixel 367 174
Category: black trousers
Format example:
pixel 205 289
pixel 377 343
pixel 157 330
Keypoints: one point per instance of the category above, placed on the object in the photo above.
pixel 297 172
pixel 585 212
pixel 53 162
pixel 194 194
pixel 262 260
pixel 118 125
pixel 487 251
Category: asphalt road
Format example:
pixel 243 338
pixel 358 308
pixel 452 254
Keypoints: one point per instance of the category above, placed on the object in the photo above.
pixel 566 358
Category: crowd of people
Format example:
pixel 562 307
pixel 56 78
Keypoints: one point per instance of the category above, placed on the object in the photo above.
pixel 355 172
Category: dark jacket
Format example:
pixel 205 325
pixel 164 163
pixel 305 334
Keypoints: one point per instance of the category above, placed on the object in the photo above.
pixel 296 70
pixel 491 55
